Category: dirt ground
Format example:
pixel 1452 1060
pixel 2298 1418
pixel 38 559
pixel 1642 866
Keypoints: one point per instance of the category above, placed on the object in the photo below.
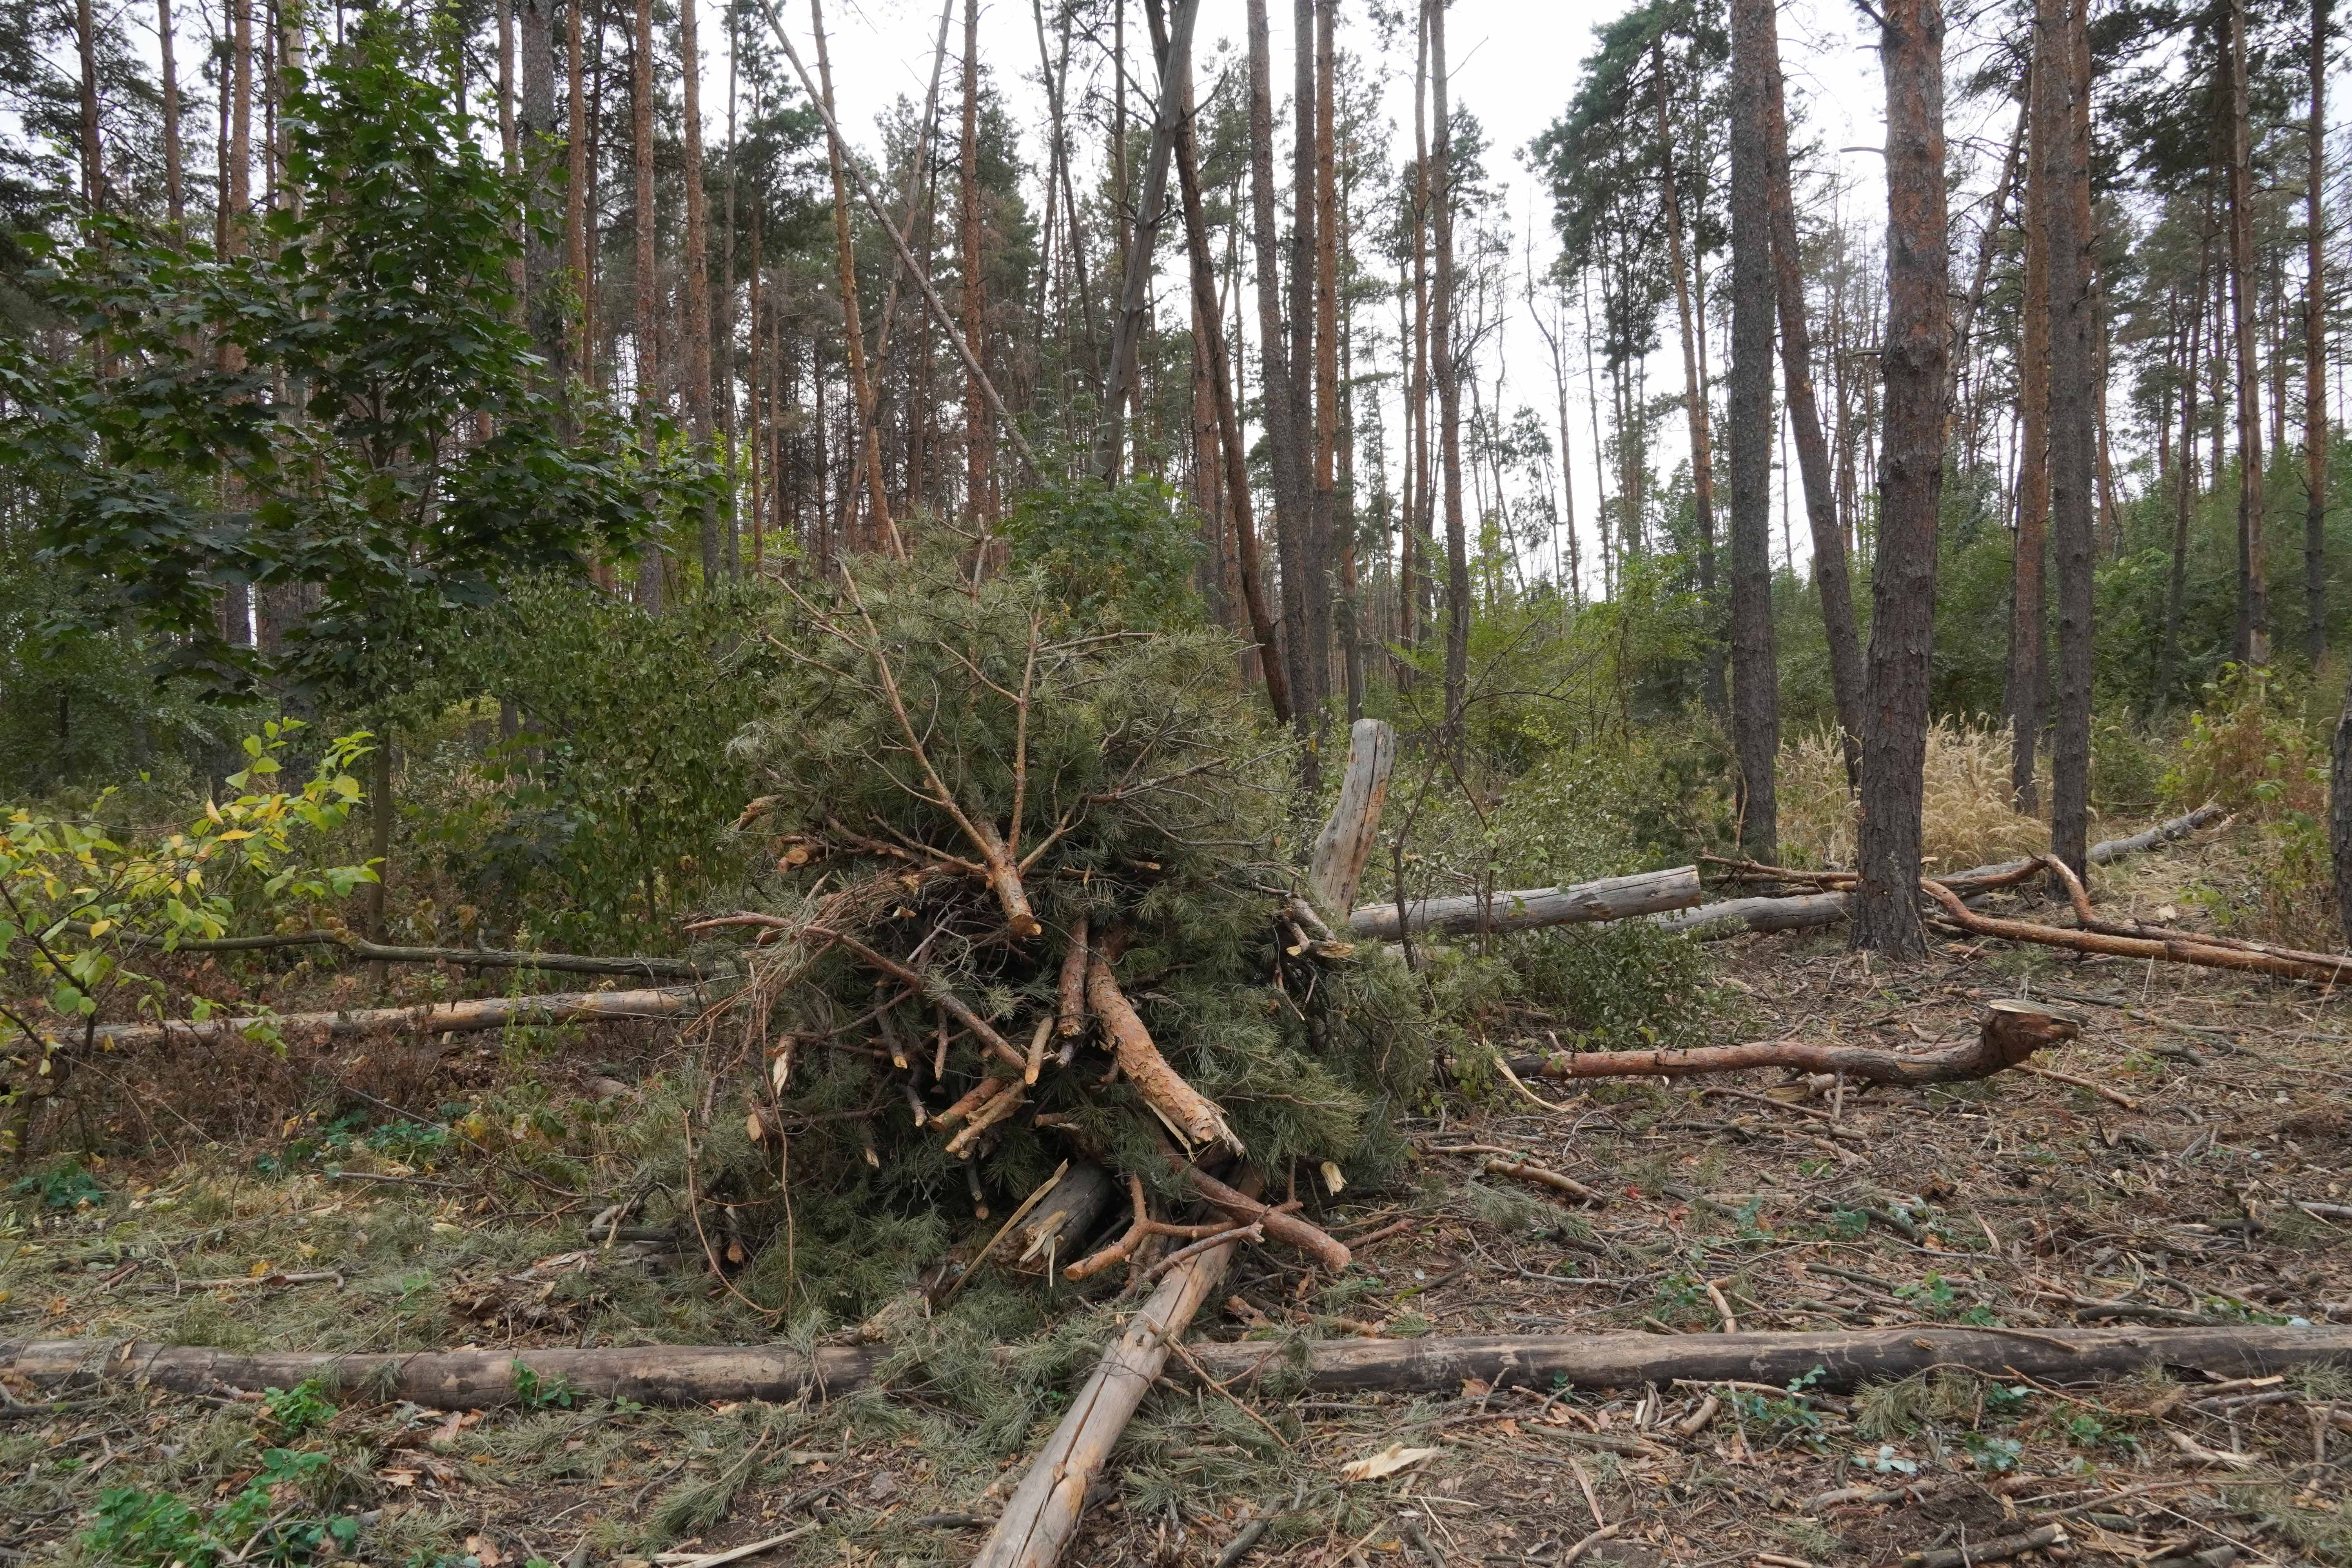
pixel 2164 1187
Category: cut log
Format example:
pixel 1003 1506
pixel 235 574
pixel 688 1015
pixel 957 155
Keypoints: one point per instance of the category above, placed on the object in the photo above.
pixel 1347 839
pixel 703 1375
pixel 456 957
pixel 444 1018
pixel 1192 1116
pixel 1610 899
pixel 1843 1361
pixel 1042 1515
pixel 1803 911
pixel 2317 969
pixel 2008 1032
pixel 1070 994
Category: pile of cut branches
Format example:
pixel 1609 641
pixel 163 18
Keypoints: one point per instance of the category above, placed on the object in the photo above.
pixel 1032 912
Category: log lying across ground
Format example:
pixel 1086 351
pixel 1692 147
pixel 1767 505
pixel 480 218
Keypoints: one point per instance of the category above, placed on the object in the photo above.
pixel 442 1017
pixel 2008 1032
pixel 695 1375
pixel 1802 911
pixel 456 957
pixel 1610 899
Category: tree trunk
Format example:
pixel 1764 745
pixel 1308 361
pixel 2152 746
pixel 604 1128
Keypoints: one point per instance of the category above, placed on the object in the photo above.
pixel 2062 86
pixel 1283 436
pixel 1175 54
pixel 648 261
pixel 1831 576
pixel 240 143
pixel 1694 395
pixel 1532 908
pixel 977 435
pixel 174 195
pixel 1755 673
pixel 1902 578
pixel 575 190
pixel 1449 385
pixel 535 139
pixel 2007 1034
pixel 1211 346
pixel 867 438
pixel 2184 493
pixel 1413 590
pixel 94 154
pixel 2254 627
pixel 1324 523
pixel 1313 545
pixel 2314 354
pixel 695 328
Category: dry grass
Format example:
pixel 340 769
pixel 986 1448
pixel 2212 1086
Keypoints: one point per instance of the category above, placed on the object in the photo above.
pixel 1966 818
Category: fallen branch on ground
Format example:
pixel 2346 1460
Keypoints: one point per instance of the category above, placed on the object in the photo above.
pixel 2315 968
pixel 1610 899
pixel 2009 1034
pixel 441 1017
pixel 458 957
pixel 702 1374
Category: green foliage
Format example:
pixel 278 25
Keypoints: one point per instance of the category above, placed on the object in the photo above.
pixel 148 1529
pixel 611 809
pixel 295 1411
pixel 79 904
pixel 66 1187
pixel 536 1394
pixel 1110 554
pixel 291 415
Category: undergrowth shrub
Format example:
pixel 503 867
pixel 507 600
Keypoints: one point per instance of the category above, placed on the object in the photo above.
pixel 1968 816
pixel 2250 751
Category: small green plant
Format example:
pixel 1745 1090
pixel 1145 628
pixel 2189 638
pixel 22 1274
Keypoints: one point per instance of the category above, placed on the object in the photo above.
pixel 1789 1416
pixel 1997 1454
pixel 146 1530
pixel 537 1395
pixel 297 1410
pixel 67 1187
pixel 2009 1401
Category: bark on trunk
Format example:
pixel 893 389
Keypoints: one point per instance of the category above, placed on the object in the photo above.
pixel 2315 353
pixel 2063 83
pixel 1695 394
pixel 1610 898
pixel 1354 828
pixel 1755 663
pixel 880 530
pixel 1151 214
pixel 1442 349
pixel 1832 575
pixel 708 1375
pixel 536 142
pixel 1194 1118
pixel 174 195
pixel 2254 627
pixel 1911 481
pixel 2009 1034
pixel 977 514
pixel 1283 436
pixel 695 328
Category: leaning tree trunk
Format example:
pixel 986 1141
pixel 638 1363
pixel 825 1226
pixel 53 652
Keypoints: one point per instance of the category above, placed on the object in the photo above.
pixel 1755 673
pixel 1911 481
pixel 1830 574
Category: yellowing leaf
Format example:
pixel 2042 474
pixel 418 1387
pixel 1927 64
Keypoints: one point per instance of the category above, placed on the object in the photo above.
pixel 1388 1462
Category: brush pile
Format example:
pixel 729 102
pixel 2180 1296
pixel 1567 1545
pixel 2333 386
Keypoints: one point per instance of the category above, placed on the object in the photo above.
pixel 1032 907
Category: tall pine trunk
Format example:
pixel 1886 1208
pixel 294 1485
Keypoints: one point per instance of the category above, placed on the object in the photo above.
pixel 1449 383
pixel 2064 85
pixel 1326 552
pixel 1916 357
pixel 2028 677
pixel 1755 673
pixel 645 328
pixel 2254 627
pixel 174 196
pixel 867 440
pixel 1283 436
pixel 2315 353
pixel 977 434
pixel 1832 575
pixel 535 139
pixel 575 189
pixel 696 328
pixel 1694 396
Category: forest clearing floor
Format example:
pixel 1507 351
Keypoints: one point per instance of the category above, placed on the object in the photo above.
pixel 2021 1201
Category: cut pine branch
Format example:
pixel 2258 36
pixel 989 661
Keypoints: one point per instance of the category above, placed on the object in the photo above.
pixel 2009 1034
pixel 1194 1117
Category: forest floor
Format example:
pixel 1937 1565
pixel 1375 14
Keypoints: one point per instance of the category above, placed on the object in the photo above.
pixel 2021 1201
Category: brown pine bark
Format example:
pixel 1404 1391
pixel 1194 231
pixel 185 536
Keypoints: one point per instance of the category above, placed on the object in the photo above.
pixel 1211 343
pixel 1414 589
pixel 641 141
pixel 94 154
pixel 2028 677
pixel 240 138
pixel 1449 383
pixel 1755 674
pixel 2184 478
pixel 696 327
pixel 2254 627
pixel 1172 46
pixel 2315 353
pixel 1832 575
pixel 1306 269
pixel 1911 477
pixel 1284 440
pixel 2063 87
pixel 575 191
pixel 978 434
pixel 1325 524
pixel 1694 395
pixel 174 195
pixel 867 439
pixel 535 141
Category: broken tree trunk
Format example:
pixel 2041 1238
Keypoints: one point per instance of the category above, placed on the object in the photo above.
pixel 705 1374
pixel 2318 969
pixel 1055 1227
pixel 1043 1512
pixel 1194 1117
pixel 443 1017
pixel 1802 911
pixel 1610 899
pixel 2008 1032
pixel 1346 840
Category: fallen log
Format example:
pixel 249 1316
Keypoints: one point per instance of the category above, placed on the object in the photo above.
pixel 441 1017
pixel 1610 899
pixel 2317 969
pixel 1347 839
pixel 1804 911
pixel 2008 1032
pixel 695 1375
pixel 457 957
pixel 1043 1512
